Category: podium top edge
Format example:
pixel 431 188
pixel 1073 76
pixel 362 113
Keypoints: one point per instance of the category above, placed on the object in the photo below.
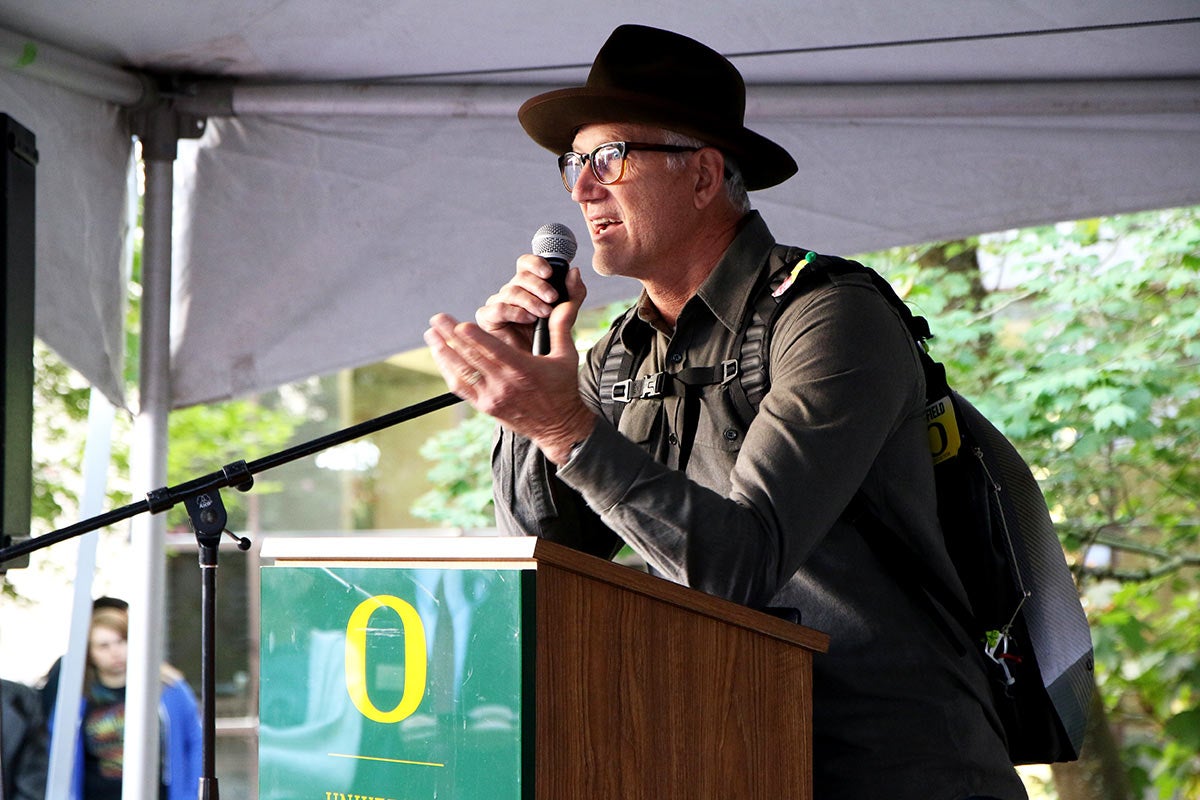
pixel 390 548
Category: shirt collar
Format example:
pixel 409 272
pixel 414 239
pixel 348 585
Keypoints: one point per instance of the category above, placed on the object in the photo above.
pixel 726 290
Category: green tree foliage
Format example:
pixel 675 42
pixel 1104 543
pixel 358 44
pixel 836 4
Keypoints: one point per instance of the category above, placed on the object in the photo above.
pixel 461 476
pixel 1087 358
pixel 58 450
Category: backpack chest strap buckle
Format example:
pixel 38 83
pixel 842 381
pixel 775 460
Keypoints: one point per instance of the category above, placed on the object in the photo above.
pixel 661 384
pixel 622 391
pixel 653 386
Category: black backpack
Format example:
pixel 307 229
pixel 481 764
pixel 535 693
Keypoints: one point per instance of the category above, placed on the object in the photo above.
pixel 1024 606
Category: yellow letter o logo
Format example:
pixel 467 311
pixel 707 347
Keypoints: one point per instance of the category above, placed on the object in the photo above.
pixel 939 440
pixel 414 658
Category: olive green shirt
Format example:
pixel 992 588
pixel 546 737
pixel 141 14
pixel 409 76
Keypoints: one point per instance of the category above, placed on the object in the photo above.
pixel 756 517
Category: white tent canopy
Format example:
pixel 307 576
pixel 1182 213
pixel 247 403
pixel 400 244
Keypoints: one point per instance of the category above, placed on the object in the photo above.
pixel 361 167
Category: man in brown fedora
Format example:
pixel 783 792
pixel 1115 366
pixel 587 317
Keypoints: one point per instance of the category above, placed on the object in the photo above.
pixel 655 152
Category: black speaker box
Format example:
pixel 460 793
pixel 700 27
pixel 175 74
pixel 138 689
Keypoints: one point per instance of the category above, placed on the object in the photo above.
pixel 18 163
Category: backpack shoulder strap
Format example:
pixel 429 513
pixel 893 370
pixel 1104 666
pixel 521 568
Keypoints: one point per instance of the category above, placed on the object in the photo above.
pixel 801 271
pixel 616 370
pixel 753 343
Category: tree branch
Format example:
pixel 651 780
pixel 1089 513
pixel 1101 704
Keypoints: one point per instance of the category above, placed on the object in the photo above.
pixel 1167 562
pixel 1139 575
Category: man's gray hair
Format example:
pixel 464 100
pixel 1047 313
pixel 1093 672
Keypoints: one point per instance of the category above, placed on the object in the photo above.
pixel 735 185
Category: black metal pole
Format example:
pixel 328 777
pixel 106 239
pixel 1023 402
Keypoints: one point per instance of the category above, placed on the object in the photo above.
pixel 208 658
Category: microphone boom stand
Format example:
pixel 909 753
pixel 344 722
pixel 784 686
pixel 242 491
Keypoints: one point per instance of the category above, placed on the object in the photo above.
pixel 202 499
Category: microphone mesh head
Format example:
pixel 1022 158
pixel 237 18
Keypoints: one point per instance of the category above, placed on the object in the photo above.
pixel 555 240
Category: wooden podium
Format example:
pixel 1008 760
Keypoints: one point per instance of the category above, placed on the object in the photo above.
pixel 513 668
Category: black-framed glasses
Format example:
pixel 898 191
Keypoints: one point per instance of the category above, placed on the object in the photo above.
pixel 608 160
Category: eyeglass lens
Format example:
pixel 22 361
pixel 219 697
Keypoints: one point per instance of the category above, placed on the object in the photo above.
pixel 607 160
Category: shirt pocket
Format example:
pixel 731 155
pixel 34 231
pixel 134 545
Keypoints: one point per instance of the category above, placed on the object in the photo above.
pixel 719 426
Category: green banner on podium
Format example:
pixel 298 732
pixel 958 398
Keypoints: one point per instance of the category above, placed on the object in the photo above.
pixel 381 683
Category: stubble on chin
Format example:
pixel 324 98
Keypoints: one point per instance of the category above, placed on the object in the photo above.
pixel 601 267
pixel 607 263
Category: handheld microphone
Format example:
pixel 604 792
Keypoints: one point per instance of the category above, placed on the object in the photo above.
pixel 555 243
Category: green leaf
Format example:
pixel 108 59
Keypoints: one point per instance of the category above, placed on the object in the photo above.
pixel 1184 728
pixel 1114 416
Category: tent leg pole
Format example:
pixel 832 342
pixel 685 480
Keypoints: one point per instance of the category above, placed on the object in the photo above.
pixel 150 462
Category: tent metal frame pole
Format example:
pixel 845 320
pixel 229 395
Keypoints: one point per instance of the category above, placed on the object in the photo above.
pixel 60 67
pixel 842 101
pixel 148 531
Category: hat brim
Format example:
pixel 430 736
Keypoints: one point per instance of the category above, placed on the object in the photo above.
pixel 551 120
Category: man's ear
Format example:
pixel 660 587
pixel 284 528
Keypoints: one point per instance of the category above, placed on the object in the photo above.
pixel 710 175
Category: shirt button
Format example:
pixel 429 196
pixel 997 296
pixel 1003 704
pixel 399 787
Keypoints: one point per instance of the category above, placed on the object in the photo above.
pixel 731 434
pixel 673 439
pixel 676 358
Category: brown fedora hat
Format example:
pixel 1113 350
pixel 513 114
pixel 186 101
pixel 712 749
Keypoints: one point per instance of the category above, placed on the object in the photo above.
pixel 647 75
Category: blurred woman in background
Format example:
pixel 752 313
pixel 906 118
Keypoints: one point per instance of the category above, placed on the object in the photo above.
pixel 99 757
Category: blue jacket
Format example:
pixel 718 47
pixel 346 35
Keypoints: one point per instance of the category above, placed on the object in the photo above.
pixel 180 745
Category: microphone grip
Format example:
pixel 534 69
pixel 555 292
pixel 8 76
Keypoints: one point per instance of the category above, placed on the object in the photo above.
pixel 541 329
pixel 541 337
